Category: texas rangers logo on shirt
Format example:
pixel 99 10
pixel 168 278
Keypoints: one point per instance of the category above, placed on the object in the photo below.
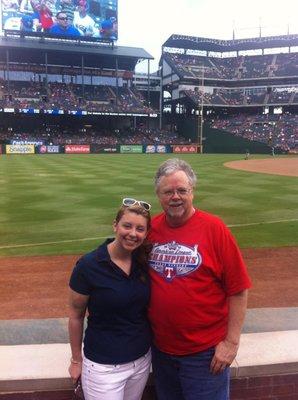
pixel 174 260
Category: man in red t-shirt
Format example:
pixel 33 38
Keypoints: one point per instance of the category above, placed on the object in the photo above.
pixel 198 294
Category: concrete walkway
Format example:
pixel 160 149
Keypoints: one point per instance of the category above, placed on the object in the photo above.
pixel 54 330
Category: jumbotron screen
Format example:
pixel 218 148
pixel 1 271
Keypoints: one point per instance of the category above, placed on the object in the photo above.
pixel 96 19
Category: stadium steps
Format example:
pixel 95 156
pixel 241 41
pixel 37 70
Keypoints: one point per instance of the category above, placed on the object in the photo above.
pixel 239 69
pixel 222 98
pixel 111 91
pixel 291 101
pixel 272 67
pixel 215 68
pixel 206 101
pixel 132 94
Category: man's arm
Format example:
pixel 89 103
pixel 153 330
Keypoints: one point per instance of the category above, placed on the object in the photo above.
pixel 226 351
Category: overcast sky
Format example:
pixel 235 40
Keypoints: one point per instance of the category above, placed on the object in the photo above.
pixel 148 23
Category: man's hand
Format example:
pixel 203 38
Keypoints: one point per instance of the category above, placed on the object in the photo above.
pixel 225 353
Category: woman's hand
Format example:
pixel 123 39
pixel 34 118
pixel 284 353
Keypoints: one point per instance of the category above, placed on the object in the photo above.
pixel 75 371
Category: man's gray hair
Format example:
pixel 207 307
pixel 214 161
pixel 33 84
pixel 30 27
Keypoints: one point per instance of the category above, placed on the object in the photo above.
pixel 173 165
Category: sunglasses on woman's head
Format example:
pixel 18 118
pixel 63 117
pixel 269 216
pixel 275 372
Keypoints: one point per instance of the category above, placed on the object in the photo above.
pixel 127 202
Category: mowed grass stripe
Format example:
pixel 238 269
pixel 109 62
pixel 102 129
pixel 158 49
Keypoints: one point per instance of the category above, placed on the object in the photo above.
pixel 63 198
pixel 103 237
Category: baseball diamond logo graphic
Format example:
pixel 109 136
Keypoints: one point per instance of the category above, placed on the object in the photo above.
pixel 173 260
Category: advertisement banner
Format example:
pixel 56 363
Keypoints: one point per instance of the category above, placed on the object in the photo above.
pixel 53 149
pixel 42 149
pixel 48 149
pixel 20 149
pixel 185 148
pixel 131 148
pixel 95 148
pixel 150 148
pixel 34 142
pixel 77 148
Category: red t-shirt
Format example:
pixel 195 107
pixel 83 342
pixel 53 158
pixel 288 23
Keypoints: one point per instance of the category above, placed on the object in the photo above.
pixel 193 269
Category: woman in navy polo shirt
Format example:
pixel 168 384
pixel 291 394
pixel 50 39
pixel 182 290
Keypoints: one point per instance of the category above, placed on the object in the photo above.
pixel 112 284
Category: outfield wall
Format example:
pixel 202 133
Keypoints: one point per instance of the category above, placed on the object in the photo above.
pixel 97 149
pixel 214 142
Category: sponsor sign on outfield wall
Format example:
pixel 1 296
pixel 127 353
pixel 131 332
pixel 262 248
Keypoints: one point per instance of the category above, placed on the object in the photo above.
pixel 160 148
pixel 77 148
pixel 53 149
pixel 108 150
pixel 20 149
pixel 48 149
pixel 131 149
pixel 99 148
pixel 34 142
pixel 185 148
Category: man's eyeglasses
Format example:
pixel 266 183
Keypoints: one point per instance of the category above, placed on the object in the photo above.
pixel 181 192
pixel 127 202
pixel 63 18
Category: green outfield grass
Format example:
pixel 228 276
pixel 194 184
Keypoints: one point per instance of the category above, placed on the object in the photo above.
pixel 64 204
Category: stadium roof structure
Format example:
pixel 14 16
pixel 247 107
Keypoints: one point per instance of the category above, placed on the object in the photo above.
pixel 60 53
pixel 218 45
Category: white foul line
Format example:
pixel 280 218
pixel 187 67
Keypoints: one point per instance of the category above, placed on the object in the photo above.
pixel 263 223
pixel 46 243
pixel 104 237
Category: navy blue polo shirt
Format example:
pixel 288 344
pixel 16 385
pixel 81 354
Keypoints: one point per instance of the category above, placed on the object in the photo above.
pixel 118 330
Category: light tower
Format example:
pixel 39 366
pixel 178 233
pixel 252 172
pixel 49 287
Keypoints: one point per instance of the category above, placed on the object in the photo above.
pixel 200 113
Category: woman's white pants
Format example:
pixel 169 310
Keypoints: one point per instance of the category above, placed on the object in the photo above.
pixel 115 382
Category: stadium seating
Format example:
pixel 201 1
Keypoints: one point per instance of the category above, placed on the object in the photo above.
pixel 56 95
pixel 234 68
pixel 239 97
pixel 59 135
pixel 278 131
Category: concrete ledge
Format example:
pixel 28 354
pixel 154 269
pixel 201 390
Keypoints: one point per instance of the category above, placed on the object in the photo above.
pixel 34 367
pixel 267 353
pixel 44 367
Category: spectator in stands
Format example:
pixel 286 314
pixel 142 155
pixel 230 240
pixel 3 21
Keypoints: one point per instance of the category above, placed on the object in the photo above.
pixel 198 293
pixel 113 284
pixel 29 6
pixel 44 16
pixel 68 7
pixel 26 23
pixel 10 5
pixel 83 22
pixel 63 27
pixel 109 29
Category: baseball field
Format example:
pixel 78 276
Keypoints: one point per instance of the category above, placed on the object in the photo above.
pixel 63 204
pixel 55 207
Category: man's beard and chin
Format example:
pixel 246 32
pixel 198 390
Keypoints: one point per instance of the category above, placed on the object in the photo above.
pixel 175 210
